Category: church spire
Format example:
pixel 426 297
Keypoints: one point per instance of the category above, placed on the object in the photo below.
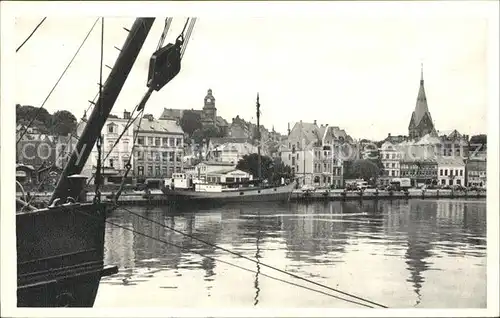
pixel 421 73
pixel 421 120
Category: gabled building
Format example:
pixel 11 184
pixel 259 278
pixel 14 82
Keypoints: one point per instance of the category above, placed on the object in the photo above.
pixel 312 152
pixel 421 122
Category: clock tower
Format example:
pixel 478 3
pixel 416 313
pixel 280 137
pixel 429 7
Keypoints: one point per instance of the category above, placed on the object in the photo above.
pixel 209 113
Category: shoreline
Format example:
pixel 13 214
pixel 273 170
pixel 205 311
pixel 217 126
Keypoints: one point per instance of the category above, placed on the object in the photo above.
pixel 158 198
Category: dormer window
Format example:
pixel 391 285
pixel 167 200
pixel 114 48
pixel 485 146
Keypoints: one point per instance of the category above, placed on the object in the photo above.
pixel 112 128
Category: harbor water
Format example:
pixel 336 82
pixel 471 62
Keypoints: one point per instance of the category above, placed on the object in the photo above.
pixel 402 253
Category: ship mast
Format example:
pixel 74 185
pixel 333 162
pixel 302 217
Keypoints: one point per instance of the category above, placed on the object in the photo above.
pixel 259 167
pixel 110 91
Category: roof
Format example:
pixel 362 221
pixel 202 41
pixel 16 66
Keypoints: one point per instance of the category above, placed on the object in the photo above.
pixel 476 165
pixel 160 125
pixel 221 122
pixel 225 171
pixel 428 140
pixel 216 163
pixel 20 165
pixel 170 113
pixel 223 140
pixel 443 161
pixel 420 160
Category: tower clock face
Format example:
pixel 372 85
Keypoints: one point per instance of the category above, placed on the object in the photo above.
pixel 209 100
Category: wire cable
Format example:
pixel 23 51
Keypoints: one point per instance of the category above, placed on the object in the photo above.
pixel 32 32
pixel 57 83
pixel 225 262
pixel 252 260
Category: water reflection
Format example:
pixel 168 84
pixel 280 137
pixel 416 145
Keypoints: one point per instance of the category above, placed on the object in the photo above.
pixel 319 241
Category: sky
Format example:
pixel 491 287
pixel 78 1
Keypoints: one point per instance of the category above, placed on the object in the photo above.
pixel 358 72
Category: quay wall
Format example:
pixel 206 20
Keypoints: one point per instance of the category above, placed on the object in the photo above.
pixel 157 198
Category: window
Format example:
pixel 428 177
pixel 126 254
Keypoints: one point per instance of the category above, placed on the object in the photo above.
pixel 289 156
pixel 164 156
pixel 111 128
pixel 459 182
pixel 150 170
pixel 450 182
pixel 157 156
pixel 297 156
pixel 111 162
pixel 443 181
pixel 157 141
pixel 150 155
pixel 140 170
pixel 140 156
pixel 140 140
pixel 445 172
pixel 177 142
pixel 297 168
pixel 393 165
pixel 125 146
pixel 150 141
pixel 392 173
pixel 440 172
pixel 165 141
pixel 171 142
pixel 158 171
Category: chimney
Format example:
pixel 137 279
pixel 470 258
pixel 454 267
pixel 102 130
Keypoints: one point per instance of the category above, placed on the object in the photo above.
pixel 126 114
pixel 289 129
pixel 315 121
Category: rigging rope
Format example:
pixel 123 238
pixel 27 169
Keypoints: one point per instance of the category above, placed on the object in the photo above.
pixel 188 35
pixel 168 22
pixel 32 32
pixel 57 83
pixel 222 261
pixel 252 260
pixel 98 178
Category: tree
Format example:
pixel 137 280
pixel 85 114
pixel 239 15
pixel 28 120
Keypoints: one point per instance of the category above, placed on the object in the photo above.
pixel 190 122
pixel 63 123
pixel 365 169
pixel 272 169
pixel 24 114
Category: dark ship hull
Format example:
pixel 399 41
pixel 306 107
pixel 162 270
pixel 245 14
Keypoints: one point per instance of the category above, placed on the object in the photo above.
pixel 60 256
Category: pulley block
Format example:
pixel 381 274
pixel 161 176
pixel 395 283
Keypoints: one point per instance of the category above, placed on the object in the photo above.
pixel 164 65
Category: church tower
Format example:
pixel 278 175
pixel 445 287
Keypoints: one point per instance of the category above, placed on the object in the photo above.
pixel 209 112
pixel 421 121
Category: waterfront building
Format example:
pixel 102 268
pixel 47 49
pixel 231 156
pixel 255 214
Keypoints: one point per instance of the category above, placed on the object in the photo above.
pixel 119 154
pixel 476 173
pixel 223 150
pixel 420 171
pixel 312 152
pixel 451 171
pixel 159 149
pixel 390 157
pixel 454 145
pixel 421 122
